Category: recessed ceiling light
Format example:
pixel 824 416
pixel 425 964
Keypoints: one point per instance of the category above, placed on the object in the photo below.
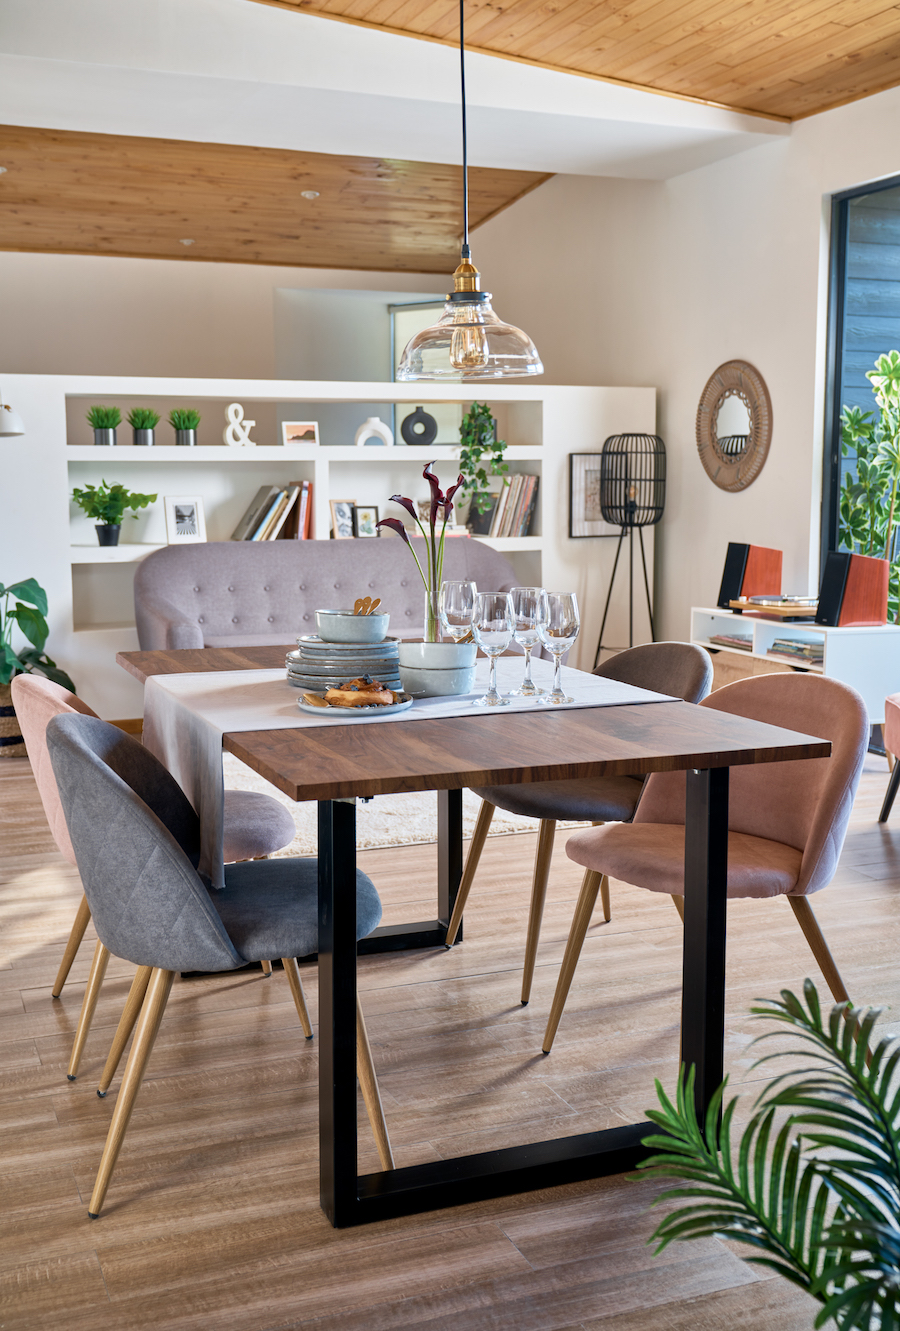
pixel 309 194
pixel 185 242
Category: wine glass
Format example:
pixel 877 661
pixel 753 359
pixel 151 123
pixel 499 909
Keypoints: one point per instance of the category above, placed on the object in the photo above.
pixel 492 626
pixel 456 606
pixel 527 606
pixel 558 625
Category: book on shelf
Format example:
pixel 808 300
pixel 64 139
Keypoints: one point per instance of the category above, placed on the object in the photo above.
pixel 513 510
pixel 741 642
pixel 813 653
pixel 278 512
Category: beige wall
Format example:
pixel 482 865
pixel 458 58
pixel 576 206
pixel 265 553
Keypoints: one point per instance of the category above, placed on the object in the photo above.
pixel 78 314
pixel 625 282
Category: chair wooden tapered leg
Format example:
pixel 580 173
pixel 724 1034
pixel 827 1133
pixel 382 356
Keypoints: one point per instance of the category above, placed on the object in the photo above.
pixel 890 793
pixel 591 884
pixel 144 1037
pixel 482 827
pixel 88 1004
pixel 82 919
pixel 542 858
pixel 820 950
pixel 129 1016
pixel 679 906
pixel 292 971
pixel 368 1084
pixel 267 967
pixel 604 888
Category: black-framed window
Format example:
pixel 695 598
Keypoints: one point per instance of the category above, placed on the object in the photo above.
pixel 863 320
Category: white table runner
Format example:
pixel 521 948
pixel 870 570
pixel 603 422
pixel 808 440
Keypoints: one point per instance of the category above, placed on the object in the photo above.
pixel 185 717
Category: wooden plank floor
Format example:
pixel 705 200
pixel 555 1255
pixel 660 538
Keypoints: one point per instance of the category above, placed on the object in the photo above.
pixel 212 1219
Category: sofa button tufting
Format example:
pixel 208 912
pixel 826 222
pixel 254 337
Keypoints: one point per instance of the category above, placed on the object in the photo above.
pixel 402 582
pixel 408 613
pixel 265 589
pixel 196 589
pixel 234 620
pixel 199 619
pixel 306 616
pixel 271 619
pixel 231 589
pixel 303 586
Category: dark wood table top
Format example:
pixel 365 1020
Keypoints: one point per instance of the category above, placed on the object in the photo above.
pixel 336 762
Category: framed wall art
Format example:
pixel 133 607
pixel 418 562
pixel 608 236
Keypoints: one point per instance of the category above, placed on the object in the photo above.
pixel 185 522
pixel 342 519
pixel 299 432
pixel 585 517
pixel 365 517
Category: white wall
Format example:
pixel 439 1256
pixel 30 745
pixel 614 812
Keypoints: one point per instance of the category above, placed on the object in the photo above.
pixel 80 314
pixel 645 282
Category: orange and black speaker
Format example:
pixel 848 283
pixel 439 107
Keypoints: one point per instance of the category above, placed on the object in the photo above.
pixel 854 591
pixel 750 570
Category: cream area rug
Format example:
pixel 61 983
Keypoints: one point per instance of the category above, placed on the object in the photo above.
pixel 389 820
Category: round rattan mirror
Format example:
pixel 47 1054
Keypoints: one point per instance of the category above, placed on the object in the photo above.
pixel 734 425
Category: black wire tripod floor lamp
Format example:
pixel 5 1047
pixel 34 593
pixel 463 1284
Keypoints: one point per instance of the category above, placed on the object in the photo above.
pixel 632 495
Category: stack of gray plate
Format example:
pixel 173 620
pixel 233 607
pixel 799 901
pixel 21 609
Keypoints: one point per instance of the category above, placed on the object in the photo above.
pixel 322 665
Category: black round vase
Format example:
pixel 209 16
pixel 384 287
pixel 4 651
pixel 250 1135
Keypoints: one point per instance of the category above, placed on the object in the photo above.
pixel 418 428
pixel 107 534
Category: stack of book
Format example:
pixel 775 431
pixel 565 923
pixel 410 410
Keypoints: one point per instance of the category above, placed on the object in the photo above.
pixel 278 512
pixel 741 642
pixel 511 511
pixel 805 653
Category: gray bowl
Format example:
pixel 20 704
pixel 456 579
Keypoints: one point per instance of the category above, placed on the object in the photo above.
pixel 344 626
pixel 429 683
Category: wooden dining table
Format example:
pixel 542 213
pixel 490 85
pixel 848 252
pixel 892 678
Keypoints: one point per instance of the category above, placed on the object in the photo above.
pixel 335 765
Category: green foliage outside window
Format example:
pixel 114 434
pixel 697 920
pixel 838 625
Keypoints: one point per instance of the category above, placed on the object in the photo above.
pixel 869 511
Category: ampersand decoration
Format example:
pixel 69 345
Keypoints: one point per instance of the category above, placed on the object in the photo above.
pixel 237 432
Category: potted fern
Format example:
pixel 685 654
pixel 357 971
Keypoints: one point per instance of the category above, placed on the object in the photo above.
pixel 817 1193
pixel 184 422
pixel 143 421
pixel 28 615
pixel 103 421
pixel 107 503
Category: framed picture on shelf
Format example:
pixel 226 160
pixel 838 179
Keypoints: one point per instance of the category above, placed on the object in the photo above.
pixel 585 516
pixel 424 507
pixel 364 518
pixel 342 518
pixel 299 432
pixel 185 523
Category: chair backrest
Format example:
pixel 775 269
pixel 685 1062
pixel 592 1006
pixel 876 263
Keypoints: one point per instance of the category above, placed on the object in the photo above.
pixel 36 700
pixel 130 826
pixel 677 668
pixel 223 593
pixel 804 804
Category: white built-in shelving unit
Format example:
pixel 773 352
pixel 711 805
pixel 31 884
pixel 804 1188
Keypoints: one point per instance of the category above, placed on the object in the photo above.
pixel 44 535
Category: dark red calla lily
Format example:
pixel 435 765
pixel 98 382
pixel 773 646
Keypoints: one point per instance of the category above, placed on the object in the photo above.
pixel 437 496
pixel 407 504
pixel 448 498
pixel 395 525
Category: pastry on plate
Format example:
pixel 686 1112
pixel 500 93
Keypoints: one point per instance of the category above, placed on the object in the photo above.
pixel 362 692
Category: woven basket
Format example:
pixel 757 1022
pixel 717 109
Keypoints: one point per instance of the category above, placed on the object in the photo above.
pixel 12 745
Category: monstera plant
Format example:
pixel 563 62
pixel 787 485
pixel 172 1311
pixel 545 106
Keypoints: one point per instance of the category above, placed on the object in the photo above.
pixel 28 615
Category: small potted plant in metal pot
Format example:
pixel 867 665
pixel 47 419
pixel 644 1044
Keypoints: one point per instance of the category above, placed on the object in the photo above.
pixel 103 421
pixel 143 421
pixel 184 422
pixel 107 503
pixel 29 616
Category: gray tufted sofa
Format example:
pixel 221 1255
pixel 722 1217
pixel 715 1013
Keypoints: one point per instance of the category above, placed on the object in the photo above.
pixel 238 593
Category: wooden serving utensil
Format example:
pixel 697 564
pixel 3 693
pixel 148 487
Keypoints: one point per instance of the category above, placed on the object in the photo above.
pixel 314 700
pixel 373 607
pixel 358 606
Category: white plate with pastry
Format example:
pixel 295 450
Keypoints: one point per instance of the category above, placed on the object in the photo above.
pixel 350 700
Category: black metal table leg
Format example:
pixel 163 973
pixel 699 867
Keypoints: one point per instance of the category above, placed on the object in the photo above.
pixel 705 898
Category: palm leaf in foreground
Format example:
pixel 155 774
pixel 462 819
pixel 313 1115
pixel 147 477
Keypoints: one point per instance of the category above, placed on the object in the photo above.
pixel 815 1193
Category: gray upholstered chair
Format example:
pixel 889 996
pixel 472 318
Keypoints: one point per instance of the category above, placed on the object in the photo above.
pixel 786 821
pixel 134 833
pixel 255 826
pixel 676 668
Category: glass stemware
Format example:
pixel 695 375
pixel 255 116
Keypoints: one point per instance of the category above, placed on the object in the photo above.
pixel 558 627
pixel 527 608
pixel 456 605
pixel 492 626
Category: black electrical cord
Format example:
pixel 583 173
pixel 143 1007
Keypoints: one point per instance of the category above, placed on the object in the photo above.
pixel 464 253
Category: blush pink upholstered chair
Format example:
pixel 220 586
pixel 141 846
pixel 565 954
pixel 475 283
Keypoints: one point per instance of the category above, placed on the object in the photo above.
pixel 892 744
pixel 255 826
pixel 786 823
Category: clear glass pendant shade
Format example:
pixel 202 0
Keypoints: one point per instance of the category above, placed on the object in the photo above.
pixel 469 341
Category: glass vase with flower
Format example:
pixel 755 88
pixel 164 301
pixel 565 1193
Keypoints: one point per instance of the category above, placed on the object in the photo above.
pixel 439 511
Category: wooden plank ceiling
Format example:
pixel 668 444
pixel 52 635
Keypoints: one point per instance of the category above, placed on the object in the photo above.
pixel 785 58
pixel 107 194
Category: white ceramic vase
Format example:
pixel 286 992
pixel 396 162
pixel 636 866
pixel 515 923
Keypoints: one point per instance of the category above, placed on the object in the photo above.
pixel 373 428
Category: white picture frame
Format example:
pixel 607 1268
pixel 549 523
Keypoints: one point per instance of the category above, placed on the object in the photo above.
pixel 185 520
pixel 296 434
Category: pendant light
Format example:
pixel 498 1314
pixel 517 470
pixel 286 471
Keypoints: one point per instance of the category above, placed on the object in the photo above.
pixel 11 422
pixel 469 341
